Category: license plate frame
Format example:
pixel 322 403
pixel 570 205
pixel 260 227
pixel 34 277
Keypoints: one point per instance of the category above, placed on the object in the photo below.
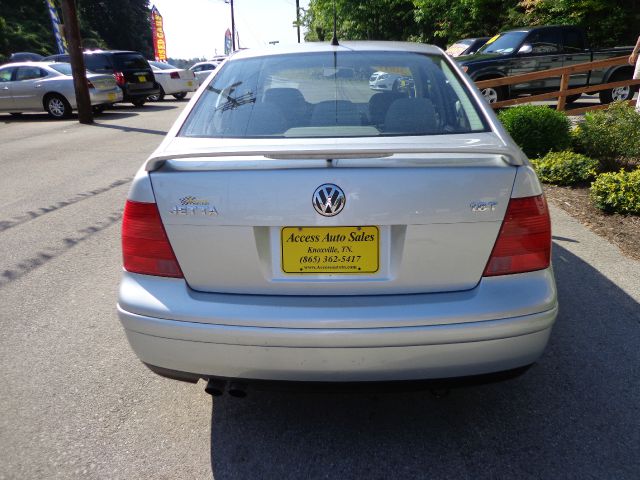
pixel 343 250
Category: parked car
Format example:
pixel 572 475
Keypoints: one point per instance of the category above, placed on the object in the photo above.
pixel 25 57
pixel 203 69
pixel 386 81
pixel 528 50
pixel 173 81
pixel 466 46
pixel 48 86
pixel 131 71
pixel 296 228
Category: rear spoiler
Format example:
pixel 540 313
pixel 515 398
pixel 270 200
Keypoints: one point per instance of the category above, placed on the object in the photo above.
pixel 155 162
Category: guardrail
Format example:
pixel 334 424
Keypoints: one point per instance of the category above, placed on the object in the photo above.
pixel 564 91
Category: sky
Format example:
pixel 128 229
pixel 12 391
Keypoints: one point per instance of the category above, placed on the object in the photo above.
pixel 195 28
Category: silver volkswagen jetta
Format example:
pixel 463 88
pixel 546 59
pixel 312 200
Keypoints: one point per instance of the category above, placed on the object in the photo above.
pixel 297 225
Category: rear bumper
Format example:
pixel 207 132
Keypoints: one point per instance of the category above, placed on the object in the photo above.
pixel 179 86
pixel 130 93
pixel 408 337
pixel 101 97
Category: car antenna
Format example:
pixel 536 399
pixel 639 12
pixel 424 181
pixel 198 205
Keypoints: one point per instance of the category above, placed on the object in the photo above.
pixel 334 40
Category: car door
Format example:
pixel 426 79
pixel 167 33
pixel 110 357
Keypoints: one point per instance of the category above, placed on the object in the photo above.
pixel 575 51
pixel 544 53
pixel 6 101
pixel 27 87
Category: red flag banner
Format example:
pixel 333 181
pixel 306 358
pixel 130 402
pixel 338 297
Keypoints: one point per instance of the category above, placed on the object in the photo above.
pixel 159 41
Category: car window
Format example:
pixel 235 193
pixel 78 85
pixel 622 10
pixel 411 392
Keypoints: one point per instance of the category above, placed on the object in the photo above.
pixel 573 41
pixel 63 68
pixel 131 61
pixel 458 47
pixel 334 95
pixel 544 41
pixel 99 63
pixel 30 73
pixel 503 43
pixel 6 73
pixel 162 66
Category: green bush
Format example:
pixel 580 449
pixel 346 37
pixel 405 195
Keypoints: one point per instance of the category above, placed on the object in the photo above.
pixel 617 192
pixel 565 168
pixel 611 135
pixel 537 129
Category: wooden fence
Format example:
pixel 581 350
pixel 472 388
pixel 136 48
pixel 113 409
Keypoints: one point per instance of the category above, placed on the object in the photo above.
pixel 564 91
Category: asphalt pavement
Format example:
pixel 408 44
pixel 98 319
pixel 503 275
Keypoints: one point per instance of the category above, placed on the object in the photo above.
pixel 76 403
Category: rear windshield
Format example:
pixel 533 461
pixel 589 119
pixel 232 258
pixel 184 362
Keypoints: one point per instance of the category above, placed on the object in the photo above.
pixel 98 62
pixel 162 66
pixel 63 68
pixel 340 94
pixel 130 61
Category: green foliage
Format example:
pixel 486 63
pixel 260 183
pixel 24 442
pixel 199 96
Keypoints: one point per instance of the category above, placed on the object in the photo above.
pixel 611 135
pixel 25 26
pixel 617 192
pixel 537 129
pixel 360 20
pixel 565 168
pixel 607 22
pixel 121 24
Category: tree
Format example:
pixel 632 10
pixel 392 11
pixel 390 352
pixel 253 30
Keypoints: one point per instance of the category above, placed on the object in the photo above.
pixel 121 24
pixel 25 26
pixel 607 22
pixel 360 19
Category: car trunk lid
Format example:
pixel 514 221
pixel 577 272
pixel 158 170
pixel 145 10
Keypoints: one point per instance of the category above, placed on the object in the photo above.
pixel 421 220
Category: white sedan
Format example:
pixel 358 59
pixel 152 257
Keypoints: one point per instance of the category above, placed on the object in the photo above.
pixel 173 81
pixel 300 227
pixel 203 69
pixel 48 86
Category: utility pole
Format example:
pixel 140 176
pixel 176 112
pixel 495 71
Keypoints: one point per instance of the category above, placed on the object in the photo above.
pixel 298 18
pixel 71 28
pixel 233 30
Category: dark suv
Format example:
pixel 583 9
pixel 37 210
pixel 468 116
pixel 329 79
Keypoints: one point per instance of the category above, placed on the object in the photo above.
pixel 130 69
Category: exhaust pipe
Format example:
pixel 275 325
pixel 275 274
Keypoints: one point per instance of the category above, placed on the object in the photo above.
pixel 237 389
pixel 215 388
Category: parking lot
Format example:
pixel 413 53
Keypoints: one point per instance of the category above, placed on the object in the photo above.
pixel 77 403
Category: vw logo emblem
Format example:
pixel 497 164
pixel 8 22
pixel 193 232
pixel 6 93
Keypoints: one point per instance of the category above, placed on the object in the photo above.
pixel 329 199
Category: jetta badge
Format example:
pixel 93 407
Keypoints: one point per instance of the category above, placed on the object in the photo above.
pixel 329 200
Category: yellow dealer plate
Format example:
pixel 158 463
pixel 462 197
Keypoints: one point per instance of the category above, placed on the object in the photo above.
pixel 189 83
pixel 352 250
pixel 142 78
pixel 112 97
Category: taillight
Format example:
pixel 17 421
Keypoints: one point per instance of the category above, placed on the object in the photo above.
pixel 524 241
pixel 119 76
pixel 175 75
pixel 145 246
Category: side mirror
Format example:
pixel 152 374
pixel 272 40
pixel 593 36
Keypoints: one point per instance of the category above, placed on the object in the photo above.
pixel 526 48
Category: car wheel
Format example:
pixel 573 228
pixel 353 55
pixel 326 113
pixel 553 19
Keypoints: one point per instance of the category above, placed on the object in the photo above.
pixel 180 96
pixel 98 109
pixel 494 94
pixel 139 102
pixel 57 106
pixel 619 93
pixel 156 98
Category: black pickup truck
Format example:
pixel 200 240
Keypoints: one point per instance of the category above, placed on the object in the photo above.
pixel 527 50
